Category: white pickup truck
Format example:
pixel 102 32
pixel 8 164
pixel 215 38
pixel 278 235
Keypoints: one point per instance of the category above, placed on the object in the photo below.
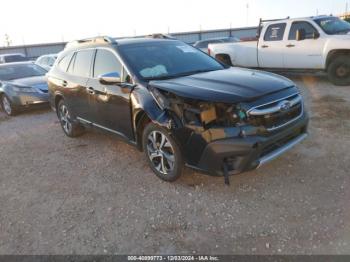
pixel 304 44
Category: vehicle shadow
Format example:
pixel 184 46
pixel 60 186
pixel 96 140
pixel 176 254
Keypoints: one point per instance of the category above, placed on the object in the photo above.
pixel 3 116
pixel 34 111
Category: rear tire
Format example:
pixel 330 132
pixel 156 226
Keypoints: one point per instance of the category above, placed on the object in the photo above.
pixel 69 125
pixel 339 71
pixel 162 152
pixel 7 106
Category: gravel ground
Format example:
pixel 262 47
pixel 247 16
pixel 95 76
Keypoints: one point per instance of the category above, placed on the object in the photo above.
pixel 96 195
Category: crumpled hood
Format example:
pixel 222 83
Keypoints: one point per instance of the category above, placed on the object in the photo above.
pixel 35 81
pixel 231 85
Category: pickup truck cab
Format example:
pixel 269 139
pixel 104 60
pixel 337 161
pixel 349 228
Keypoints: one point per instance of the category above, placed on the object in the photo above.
pixel 319 43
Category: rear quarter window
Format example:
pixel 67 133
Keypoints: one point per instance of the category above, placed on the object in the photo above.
pixel 64 62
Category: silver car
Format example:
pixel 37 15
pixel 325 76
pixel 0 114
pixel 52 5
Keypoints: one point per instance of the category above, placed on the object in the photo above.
pixel 22 85
pixel 10 58
pixel 46 61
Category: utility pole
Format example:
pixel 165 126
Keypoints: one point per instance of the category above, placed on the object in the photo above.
pixel 24 47
pixel 247 22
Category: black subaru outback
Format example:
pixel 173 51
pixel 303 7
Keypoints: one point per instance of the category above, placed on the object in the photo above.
pixel 177 104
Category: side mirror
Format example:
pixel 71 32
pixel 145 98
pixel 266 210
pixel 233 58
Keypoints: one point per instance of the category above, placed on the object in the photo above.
pixel 112 78
pixel 300 35
pixel 315 35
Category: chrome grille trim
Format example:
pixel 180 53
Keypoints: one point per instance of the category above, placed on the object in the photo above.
pixel 275 108
pixel 255 111
pixel 272 102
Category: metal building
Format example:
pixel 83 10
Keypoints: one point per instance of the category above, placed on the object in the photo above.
pixel 191 37
pixel 34 51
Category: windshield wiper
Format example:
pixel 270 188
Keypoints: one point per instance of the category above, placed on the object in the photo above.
pixel 180 74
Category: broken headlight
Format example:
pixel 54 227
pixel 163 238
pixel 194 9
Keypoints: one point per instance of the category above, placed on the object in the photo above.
pixel 161 100
pixel 213 114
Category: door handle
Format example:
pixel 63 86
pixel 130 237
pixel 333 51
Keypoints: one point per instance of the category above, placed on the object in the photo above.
pixel 91 90
pixel 290 45
pixel 64 83
pixel 264 46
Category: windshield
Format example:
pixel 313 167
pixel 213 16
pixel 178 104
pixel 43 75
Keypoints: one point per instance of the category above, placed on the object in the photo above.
pixel 168 59
pixel 333 25
pixel 15 58
pixel 11 72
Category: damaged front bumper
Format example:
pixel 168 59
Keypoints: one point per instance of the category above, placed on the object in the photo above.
pixel 234 155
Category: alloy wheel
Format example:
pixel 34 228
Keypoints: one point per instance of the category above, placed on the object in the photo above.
pixel 160 152
pixel 6 105
pixel 65 119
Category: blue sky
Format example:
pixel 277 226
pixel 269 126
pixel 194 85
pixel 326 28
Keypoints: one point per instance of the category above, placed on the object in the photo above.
pixel 38 21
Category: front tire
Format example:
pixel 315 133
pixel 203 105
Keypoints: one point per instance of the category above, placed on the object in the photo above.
pixel 70 127
pixel 339 71
pixel 162 152
pixel 7 106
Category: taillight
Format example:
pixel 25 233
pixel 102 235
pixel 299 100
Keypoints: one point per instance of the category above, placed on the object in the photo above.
pixel 209 51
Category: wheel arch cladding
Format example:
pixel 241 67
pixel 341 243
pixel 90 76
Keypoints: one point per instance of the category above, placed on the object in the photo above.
pixel 58 98
pixel 335 53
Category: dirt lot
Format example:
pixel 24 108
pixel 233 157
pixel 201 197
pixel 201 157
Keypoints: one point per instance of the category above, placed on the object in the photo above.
pixel 95 194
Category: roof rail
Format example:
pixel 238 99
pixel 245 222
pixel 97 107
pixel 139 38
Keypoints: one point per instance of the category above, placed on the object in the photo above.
pixel 160 36
pixel 97 39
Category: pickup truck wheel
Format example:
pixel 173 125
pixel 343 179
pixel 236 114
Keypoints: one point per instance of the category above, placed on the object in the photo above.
pixel 70 127
pixel 339 71
pixel 162 153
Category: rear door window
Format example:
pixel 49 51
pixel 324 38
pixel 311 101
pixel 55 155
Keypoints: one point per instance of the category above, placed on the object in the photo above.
pixel 275 32
pixel 82 63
